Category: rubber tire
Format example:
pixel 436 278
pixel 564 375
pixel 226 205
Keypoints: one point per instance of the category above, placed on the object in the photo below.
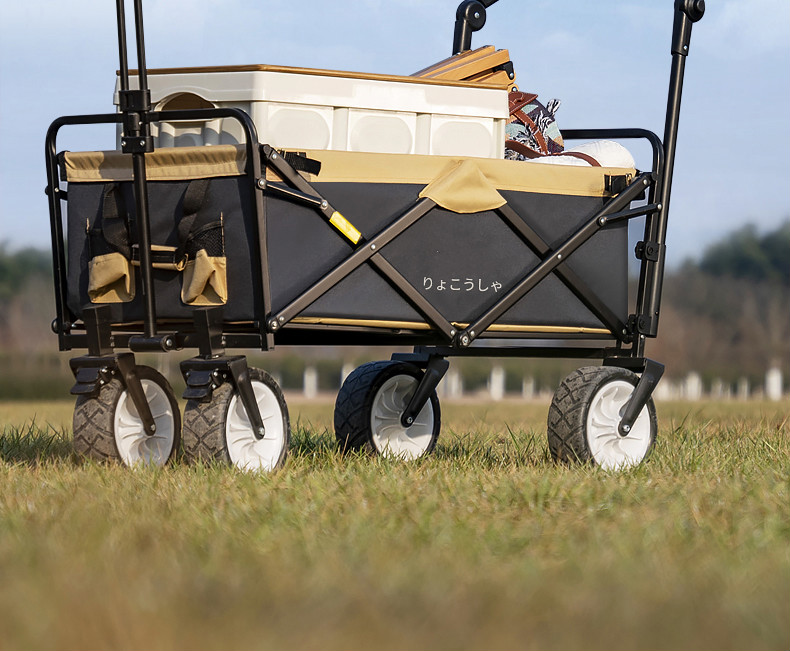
pixel 568 423
pixel 354 404
pixel 94 419
pixel 205 422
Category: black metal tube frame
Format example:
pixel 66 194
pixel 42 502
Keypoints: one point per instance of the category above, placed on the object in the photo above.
pixel 651 273
pixel 448 331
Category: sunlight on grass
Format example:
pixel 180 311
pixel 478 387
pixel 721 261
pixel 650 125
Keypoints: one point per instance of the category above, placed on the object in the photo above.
pixel 485 544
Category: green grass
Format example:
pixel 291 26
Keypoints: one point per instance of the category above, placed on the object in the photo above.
pixel 486 544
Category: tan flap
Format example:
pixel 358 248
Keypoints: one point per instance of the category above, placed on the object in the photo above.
pixel 166 164
pixel 463 189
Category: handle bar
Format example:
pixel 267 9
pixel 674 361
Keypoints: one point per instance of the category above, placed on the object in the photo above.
pixel 469 17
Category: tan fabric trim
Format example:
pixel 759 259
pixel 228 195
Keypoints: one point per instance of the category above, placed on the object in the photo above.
pixel 463 189
pixel 176 265
pixel 315 72
pixel 171 163
pixel 417 325
pixel 373 323
pixel 186 163
pixel 520 176
pixel 567 330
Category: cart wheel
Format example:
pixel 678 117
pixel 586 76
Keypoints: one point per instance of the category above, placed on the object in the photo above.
pixel 584 416
pixel 369 406
pixel 219 430
pixel 108 426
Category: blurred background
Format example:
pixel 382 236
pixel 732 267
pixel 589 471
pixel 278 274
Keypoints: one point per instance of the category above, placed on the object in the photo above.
pixel 723 334
pixel 725 321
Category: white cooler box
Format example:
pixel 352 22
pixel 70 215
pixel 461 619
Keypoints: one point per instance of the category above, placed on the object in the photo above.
pixel 300 108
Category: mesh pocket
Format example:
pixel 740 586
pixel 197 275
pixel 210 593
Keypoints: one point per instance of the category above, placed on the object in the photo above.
pixel 209 238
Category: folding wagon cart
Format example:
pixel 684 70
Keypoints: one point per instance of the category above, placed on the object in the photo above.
pixel 377 211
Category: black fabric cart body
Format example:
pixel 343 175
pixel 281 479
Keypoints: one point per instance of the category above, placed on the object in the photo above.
pixel 244 246
pixel 458 264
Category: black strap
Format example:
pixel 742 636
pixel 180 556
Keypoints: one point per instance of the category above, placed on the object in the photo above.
pixel 300 162
pixel 114 220
pixel 194 199
pixel 116 225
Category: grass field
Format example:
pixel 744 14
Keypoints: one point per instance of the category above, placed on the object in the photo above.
pixel 485 545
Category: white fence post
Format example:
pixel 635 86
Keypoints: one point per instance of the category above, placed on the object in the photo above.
pixel 452 385
pixel 497 383
pixel 528 388
pixel 310 382
pixel 743 388
pixel 692 387
pixel 773 383
pixel 347 370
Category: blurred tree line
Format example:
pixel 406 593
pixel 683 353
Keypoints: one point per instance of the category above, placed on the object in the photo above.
pixel 728 315
pixel 27 304
pixel 724 316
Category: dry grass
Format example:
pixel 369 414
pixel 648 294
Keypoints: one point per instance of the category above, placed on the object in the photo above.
pixel 487 544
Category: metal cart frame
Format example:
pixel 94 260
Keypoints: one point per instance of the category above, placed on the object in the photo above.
pixel 107 344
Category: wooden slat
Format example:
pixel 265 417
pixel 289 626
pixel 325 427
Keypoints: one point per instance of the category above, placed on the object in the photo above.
pixel 311 71
pixel 475 66
pixel 451 62
pixel 496 78
pixel 463 68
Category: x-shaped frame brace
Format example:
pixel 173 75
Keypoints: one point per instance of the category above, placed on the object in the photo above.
pixel 369 251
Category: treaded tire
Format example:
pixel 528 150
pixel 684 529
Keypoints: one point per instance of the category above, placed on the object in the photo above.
pixel 95 420
pixel 585 412
pixel 207 425
pixel 359 400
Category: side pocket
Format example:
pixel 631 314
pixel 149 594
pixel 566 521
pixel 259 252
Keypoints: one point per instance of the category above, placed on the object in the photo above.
pixel 205 275
pixel 110 279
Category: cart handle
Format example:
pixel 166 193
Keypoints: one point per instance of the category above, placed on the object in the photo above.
pixel 687 12
pixel 469 17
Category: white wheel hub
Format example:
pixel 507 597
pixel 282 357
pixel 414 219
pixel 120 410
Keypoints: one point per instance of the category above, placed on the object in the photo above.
pixel 134 444
pixel 246 451
pixel 390 437
pixel 610 450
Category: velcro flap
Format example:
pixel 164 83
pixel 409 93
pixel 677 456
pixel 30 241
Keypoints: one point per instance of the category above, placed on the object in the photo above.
pixel 463 188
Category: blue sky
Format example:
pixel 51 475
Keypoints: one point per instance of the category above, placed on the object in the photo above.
pixel 608 61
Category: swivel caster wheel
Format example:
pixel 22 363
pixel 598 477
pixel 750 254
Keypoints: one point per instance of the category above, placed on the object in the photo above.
pixel 369 407
pixel 108 427
pixel 585 414
pixel 219 429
